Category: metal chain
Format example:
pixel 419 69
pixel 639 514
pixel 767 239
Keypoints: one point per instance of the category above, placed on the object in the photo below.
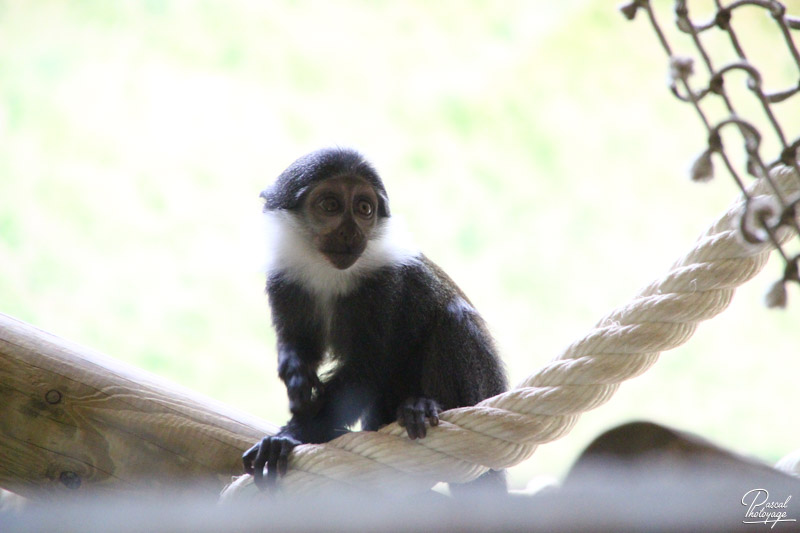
pixel 764 216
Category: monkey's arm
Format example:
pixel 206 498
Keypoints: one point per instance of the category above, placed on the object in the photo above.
pixel 300 348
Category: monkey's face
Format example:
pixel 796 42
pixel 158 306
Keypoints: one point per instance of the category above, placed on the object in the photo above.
pixel 341 214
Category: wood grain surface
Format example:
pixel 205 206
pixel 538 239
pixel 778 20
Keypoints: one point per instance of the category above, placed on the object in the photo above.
pixel 72 419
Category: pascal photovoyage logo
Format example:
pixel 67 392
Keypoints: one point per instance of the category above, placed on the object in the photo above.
pixel 763 510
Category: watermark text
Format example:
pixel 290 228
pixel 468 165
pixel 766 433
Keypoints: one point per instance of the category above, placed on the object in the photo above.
pixel 762 510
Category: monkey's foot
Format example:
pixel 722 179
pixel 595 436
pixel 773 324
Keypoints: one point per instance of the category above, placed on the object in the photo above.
pixel 412 414
pixel 272 452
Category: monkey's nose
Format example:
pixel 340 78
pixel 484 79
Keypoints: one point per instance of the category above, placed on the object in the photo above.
pixel 349 234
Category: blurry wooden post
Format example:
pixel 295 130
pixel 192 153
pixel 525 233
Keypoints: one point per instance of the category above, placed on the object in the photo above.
pixel 72 419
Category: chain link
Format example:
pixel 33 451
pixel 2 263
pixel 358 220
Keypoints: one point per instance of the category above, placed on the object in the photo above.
pixel 763 217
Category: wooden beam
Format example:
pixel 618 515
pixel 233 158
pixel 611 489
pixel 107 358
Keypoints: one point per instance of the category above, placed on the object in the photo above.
pixel 72 419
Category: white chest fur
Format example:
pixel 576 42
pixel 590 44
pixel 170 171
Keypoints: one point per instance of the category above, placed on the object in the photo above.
pixel 292 253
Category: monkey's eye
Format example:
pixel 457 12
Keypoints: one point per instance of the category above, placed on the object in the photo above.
pixel 329 204
pixel 364 208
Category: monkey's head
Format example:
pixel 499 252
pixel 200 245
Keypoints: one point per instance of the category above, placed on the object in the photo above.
pixel 335 199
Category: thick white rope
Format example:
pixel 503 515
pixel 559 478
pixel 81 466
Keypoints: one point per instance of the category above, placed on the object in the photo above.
pixel 505 429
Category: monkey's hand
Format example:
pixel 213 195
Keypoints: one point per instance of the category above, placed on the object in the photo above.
pixel 301 381
pixel 272 452
pixel 412 414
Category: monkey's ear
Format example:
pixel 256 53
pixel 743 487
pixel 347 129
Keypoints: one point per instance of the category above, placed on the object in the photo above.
pixel 275 198
pixel 383 204
pixel 264 199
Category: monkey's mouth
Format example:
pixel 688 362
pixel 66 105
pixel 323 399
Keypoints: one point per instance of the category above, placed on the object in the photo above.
pixel 342 260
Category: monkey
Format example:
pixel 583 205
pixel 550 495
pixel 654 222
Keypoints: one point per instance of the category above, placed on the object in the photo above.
pixel 342 282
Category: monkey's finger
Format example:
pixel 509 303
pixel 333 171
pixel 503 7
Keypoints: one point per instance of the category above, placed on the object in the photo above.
pixel 259 462
pixel 422 431
pixel 432 412
pixel 420 413
pixel 247 459
pixel 283 457
pixel 275 446
pixel 411 422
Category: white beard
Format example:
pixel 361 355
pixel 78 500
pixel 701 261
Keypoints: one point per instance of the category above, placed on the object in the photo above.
pixel 292 254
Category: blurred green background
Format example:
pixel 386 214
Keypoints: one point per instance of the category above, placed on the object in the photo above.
pixel 532 148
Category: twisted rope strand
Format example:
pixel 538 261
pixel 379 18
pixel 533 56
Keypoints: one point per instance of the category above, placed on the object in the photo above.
pixel 504 430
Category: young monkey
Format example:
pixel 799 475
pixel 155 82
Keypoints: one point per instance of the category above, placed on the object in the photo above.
pixel 406 342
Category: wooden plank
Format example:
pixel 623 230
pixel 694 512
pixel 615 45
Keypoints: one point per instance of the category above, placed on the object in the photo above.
pixel 73 419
